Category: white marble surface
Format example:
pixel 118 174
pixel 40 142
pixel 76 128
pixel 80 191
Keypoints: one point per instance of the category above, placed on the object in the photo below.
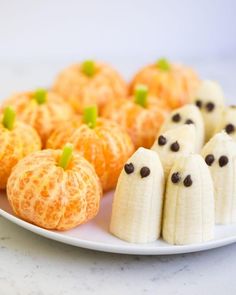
pixel 32 265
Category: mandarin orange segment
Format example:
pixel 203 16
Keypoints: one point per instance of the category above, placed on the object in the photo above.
pixel 175 85
pixel 45 194
pixel 45 116
pixel 82 90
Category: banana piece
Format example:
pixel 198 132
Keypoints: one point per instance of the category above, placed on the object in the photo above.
pixel 220 155
pixel 189 202
pixel 137 205
pixel 227 121
pixel 188 114
pixel 210 100
pixel 174 143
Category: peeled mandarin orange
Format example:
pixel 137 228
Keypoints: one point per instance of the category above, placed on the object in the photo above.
pixel 141 116
pixel 103 143
pixel 90 83
pixel 46 192
pixel 60 136
pixel 41 109
pixel 176 84
pixel 17 140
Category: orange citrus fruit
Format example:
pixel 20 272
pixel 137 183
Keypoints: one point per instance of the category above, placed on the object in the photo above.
pixel 174 83
pixel 106 146
pixel 60 136
pixel 42 192
pixel 90 83
pixel 16 143
pixel 142 122
pixel 44 114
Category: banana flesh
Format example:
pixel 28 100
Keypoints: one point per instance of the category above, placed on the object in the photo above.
pixel 174 143
pixel 220 154
pixel 188 114
pixel 227 121
pixel 189 202
pixel 210 100
pixel 138 200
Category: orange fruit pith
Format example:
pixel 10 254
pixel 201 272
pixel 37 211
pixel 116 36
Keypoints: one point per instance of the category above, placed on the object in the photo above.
pixel 142 124
pixel 176 86
pixel 41 192
pixel 81 91
pixel 107 147
pixel 15 144
pixel 43 117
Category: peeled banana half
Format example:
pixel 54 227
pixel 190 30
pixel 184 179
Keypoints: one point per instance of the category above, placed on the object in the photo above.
pixel 210 101
pixel 138 200
pixel 189 202
pixel 220 155
pixel 174 143
pixel 188 114
pixel 227 121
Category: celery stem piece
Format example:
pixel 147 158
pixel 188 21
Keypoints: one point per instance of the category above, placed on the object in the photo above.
pixel 9 116
pixel 40 95
pixel 90 116
pixel 141 93
pixel 88 68
pixel 66 156
pixel 163 64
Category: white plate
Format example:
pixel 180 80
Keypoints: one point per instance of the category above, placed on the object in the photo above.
pixel 95 235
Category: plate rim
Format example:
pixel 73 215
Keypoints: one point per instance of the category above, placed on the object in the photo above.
pixel 137 249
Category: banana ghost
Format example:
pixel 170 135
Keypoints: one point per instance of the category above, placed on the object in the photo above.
pixel 227 121
pixel 220 156
pixel 188 114
pixel 137 205
pixel 174 143
pixel 210 101
pixel 189 202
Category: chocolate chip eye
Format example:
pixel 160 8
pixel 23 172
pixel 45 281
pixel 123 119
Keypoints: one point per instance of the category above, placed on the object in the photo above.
pixel 162 140
pixel 129 168
pixel 188 181
pixel 175 146
pixel 210 106
pixel 198 103
pixel 223 161
pixel 175 177
pixel 176 118
pixel 233 106
pixel 144 172
pixel 189 121
pixel 229 128
pixel 209 159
